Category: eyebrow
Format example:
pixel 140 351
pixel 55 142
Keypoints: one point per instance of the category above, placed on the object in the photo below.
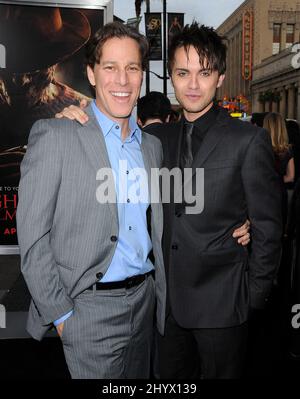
pixel 187 70
pixel 181 69
pixel 115 62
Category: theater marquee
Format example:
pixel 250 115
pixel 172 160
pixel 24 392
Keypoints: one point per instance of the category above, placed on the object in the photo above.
pixel 247 45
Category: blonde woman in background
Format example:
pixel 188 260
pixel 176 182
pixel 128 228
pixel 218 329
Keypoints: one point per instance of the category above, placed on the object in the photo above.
pixel 284 158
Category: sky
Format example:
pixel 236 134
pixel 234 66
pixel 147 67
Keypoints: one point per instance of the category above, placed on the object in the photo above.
pixel 211 13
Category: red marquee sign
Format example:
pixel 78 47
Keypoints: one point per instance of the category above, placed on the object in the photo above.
pixel 247 45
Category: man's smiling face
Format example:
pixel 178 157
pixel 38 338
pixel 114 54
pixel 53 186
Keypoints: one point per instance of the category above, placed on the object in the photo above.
pixel 117 78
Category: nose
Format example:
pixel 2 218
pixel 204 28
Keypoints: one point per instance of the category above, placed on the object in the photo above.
pixel 193 82
pixel 122 77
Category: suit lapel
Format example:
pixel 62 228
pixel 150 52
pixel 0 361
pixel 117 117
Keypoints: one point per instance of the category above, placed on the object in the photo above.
pixel 213 136
pixel 147 157
pixel 172 153
pixel 149 161
pixel 211 139
pixel 93 139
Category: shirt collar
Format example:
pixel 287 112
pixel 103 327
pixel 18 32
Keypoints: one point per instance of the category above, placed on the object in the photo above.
pixel 107 124
pixel 206 120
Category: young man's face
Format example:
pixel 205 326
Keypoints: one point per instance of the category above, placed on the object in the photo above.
pixel 118 78
pixel 195 87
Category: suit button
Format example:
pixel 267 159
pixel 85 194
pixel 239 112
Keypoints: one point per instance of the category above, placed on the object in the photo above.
pixel 175 247
pixel 99 275
pixel 113 238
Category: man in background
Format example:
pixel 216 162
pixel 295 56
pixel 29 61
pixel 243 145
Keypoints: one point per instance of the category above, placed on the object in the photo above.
pixel 153 109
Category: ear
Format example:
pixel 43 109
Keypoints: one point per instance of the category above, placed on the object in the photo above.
pixel 90 75
pixel 220 80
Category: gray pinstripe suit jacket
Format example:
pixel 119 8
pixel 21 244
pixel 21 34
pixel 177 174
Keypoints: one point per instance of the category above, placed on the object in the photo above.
pixel 64 233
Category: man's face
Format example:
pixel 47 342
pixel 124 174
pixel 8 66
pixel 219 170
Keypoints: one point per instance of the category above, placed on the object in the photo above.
pixel 195 87
pixel 117 78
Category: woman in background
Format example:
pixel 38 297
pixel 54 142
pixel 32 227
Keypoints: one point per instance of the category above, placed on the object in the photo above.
pixel 284 158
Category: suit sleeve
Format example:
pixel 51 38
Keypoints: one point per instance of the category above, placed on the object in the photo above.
pixel 263 197
pixel 38 193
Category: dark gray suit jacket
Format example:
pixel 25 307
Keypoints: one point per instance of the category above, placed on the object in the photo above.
pixel 212 280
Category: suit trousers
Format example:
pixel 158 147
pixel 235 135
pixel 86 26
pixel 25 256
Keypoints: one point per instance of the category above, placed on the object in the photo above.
pixel 109 334
pixel 206 353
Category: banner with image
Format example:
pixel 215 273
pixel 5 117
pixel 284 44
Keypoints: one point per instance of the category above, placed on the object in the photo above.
pixel 41 73
pixel 154 35
pixel 175 24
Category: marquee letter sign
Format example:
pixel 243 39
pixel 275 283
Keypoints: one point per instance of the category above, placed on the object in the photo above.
pixel 247 45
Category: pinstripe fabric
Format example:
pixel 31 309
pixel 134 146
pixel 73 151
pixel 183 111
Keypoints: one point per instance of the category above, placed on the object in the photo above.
pixel 63 232
pixel 109 334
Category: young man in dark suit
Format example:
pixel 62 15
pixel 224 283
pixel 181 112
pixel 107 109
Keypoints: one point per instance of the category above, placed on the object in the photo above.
pixel 214 283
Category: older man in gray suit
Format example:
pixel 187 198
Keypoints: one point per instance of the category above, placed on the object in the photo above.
pixel 88 263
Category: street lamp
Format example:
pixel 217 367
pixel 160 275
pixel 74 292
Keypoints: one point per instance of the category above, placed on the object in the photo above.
pixel 164 77
pixel 165 46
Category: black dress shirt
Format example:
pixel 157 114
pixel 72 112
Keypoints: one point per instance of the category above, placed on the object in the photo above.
pixel 201 126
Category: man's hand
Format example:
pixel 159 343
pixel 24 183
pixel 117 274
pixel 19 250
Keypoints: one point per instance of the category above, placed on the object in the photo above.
pixel 242 233
pixel 60 329
pixel 75 113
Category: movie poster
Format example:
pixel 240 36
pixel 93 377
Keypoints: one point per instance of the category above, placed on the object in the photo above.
pixel 42 73
pixel 175 24
pixel 154 35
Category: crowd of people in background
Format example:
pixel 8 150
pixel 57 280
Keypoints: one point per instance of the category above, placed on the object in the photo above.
pixel 285 134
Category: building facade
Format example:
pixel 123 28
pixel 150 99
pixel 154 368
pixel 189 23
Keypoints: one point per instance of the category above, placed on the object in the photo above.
pixel 274 80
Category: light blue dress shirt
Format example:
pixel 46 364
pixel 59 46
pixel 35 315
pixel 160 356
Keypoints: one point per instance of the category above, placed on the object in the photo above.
pixel 134 243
